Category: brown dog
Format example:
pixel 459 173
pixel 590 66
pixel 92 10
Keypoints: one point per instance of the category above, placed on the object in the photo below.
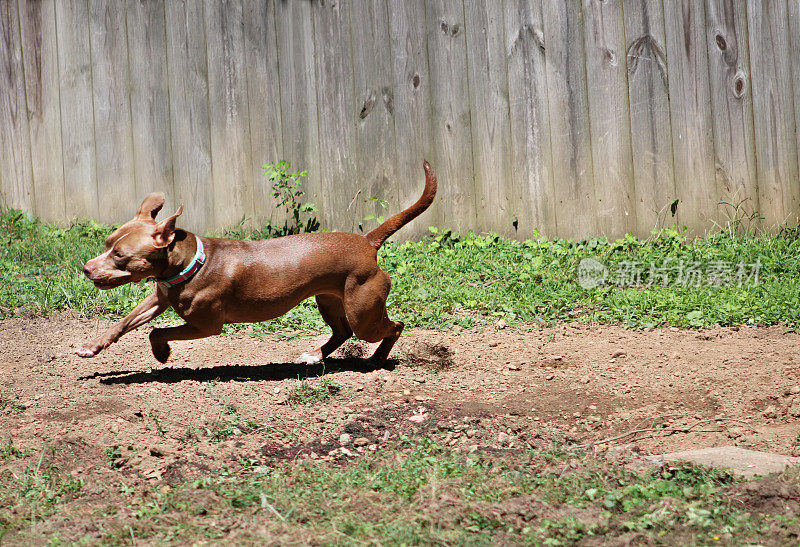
pixel 210 281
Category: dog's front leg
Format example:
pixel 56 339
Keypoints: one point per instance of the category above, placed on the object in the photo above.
pixel 147 310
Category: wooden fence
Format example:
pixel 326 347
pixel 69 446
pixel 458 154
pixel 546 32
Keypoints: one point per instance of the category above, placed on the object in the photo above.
pixel 571 117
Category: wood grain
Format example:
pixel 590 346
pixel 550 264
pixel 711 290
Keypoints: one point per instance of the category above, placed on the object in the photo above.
pixel 264 100
pixel 336 115
pixel 374 103
pixel 690 112
pixel 16 171
pixel 489 116
pixel 569 119
pixel 77 114
pixel 187 71
pixel 149 91
pixel 774 116
pixel 651 126
pixel 228 113
pixel 732 106
pixel 298 87
pixel 411 87
pixel 42 93
pixel 112 112
pixel 452 142
pixel 609 116
pixel 532 182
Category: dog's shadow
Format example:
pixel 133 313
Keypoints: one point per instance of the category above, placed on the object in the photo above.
pixel 240 373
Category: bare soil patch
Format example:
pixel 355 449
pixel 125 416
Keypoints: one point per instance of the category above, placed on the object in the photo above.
pixel 583 382
pixel 220 403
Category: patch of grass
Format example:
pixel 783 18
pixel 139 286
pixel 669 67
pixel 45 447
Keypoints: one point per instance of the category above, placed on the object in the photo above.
pixel 448 279
pixel 113 453
pixel 312 391
pixel 9 404
pixel 226 428
pixel 32 496
pixel 417 492
pixel 8 450
pixel 412 491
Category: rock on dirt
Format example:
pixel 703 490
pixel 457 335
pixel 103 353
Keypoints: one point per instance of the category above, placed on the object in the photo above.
pixel 742 462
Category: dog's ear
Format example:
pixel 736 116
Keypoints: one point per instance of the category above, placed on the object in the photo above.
pixel 150 207
pixel 165 230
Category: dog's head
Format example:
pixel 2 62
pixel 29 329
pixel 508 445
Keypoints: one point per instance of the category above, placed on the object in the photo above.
pixel 137 250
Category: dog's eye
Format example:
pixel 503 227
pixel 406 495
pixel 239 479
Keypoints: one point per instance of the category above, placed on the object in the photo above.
pixel 119 261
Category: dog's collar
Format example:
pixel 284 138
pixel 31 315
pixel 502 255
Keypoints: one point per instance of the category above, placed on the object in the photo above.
pixel 187 273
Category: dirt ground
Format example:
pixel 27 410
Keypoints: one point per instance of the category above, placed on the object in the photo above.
pixel 482 390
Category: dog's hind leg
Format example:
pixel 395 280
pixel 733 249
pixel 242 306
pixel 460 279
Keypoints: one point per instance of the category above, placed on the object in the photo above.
pixel 366 310
pixel 332 311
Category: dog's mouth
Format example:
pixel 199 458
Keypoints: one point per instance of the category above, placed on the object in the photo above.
pixel 105 285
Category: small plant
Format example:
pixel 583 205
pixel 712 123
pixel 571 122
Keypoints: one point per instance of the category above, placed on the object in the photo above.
pixel 113 453
pixel 157 421
pixel 307 392
pixel 192 434
pixel 287 188
pixel 8 450
pixel 377 218
pixel 226 428
pixel 741 218
pixel 6 403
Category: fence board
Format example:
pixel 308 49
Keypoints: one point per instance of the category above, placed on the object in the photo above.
pixel 488 96
pixel 228 113
pixel 373 101
pixel 298 86
pixel 452 143
pixel 651 129
pixel 77 115
pixel 187 70
pixel 264 99
pixel 16 171
pixel 776 148
pixel 609 115
pixel 794 65
pixel 531 168
pixel 112 112
pixel 152 152
pixel 732 104
pixel 40 61
pixel 412 109
pixel 690 112
pixel 336 116
pixel 569 119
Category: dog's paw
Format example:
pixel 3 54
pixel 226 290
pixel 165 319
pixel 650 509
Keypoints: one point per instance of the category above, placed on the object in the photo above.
pixel 161 351
pixel 88 349
pixel 310 358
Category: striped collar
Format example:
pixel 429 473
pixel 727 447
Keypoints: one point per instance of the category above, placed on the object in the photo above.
pixel 187 273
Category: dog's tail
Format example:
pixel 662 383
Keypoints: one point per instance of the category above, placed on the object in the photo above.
pixel 380 234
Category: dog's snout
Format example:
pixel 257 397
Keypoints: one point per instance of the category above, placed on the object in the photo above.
pixel 87 270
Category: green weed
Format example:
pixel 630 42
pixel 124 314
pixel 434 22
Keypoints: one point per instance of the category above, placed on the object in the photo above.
pixel 32 496
pixel 226 428
pixel 113 453
pixel 307 391
pixel 8 450
pixel 157 421
pixel 9 404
